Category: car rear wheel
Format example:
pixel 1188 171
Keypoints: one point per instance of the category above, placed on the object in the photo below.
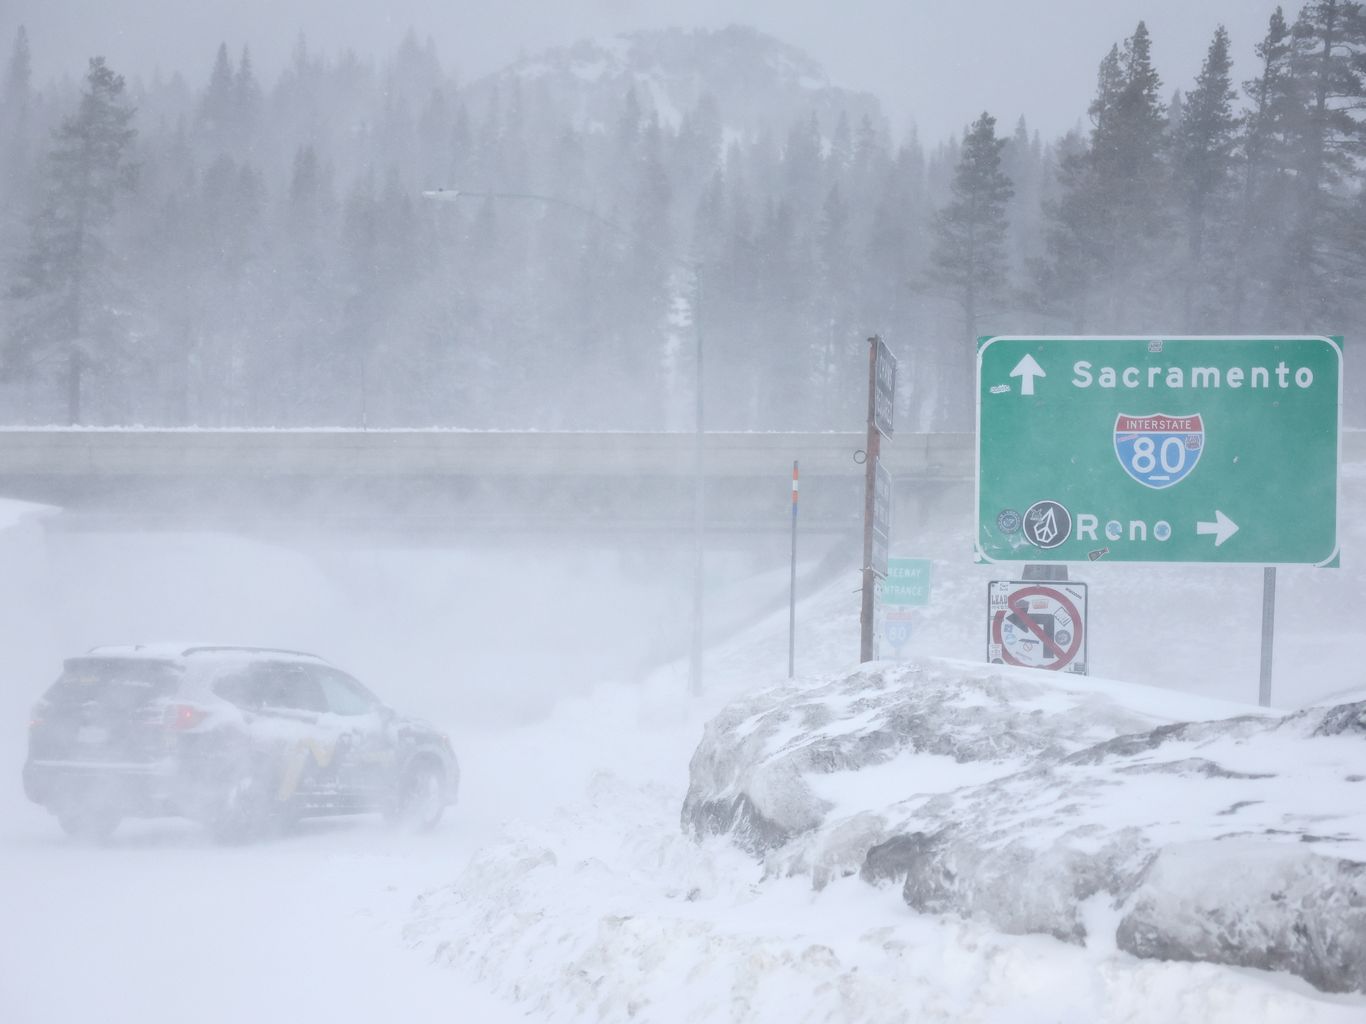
pixel 421 797
pixel 244 810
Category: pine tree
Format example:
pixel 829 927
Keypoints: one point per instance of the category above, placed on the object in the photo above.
pixel 247 102
pixel 289 370
pixel 1204 142
pixel 1022 163
pixel 841 148
pixel 699 143
pixel 630 121
pixel 837 295
pixel 218 106
pixel 1109 228
pixel 16 102
pixel 433 141
pixel 1265 213
pixel 802 163
pixel 969 250
pixel 1328 44
pixel 65 276
pixel 1130 164
pixel 651 275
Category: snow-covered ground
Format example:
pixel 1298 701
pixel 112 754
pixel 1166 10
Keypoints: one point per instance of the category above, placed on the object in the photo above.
pixel 563 885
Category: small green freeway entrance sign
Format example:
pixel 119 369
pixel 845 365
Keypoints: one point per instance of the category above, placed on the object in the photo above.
pixel 1158 449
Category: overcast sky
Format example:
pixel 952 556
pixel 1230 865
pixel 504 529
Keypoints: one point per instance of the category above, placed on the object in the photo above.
pixel 937 62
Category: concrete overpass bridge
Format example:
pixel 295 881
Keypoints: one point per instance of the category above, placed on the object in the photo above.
pixel 445 480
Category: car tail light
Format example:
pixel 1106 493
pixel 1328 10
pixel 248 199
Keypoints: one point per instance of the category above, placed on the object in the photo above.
pixel 184 716
pixel 35 717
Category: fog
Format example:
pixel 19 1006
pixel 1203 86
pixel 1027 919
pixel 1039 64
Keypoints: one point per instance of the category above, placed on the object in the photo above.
pixel 935 65
pixel 258 247
pixel 558 668
pixel 239 343
pixel 486 632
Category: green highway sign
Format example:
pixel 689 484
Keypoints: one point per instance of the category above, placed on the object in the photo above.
pixel 1156 449
pixel 907 582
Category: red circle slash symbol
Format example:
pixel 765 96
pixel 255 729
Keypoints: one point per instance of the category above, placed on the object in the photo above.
pixel 1019 605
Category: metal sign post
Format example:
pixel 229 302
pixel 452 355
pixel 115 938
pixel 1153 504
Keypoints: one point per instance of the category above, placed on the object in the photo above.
pixel 877 495
pixel 1268 633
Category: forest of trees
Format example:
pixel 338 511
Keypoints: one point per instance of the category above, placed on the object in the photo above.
pixel 232 253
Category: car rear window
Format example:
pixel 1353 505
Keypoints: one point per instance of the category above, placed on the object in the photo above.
pixel 117 684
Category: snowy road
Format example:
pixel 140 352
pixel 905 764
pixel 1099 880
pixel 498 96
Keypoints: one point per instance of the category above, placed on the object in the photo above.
pixel 165 926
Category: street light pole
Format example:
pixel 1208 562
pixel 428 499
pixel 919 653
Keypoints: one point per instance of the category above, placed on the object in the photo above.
pixel 699 463
pixel 698 498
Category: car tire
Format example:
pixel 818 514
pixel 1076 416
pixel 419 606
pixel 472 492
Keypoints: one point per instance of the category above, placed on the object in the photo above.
pixel 244 810
pixel 421 797
pixel 89 824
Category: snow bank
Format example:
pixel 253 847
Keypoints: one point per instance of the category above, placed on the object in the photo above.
pixel 1020 800
pixel 1253 903
pixel 605 912
pixel 785 761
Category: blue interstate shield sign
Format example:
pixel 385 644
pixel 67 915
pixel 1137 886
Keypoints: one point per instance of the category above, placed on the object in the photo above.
pixel 1159 450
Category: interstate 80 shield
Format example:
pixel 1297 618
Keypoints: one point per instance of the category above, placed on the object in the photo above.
pixel 1159 450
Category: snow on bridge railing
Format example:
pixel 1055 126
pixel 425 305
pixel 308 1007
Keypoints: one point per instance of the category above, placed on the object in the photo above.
pixel 83 452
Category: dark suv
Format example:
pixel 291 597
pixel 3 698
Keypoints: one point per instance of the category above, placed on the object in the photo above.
pixel 239 738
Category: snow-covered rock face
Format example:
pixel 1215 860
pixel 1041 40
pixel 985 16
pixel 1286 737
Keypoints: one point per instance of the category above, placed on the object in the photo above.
pixel 1253 903
pixel 786 761
pixel 1239 841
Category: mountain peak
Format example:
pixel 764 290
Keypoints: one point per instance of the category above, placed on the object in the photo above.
pixel 757 81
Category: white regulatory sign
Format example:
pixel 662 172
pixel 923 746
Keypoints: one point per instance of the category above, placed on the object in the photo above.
pixel 1037 625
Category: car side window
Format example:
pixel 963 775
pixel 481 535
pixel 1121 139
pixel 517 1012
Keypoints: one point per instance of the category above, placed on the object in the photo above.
pixel 344 695
pixel 242 688
pixel 290 686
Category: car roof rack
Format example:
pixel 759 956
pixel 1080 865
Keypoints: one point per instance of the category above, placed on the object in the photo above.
pixel 151 650
pixel 225 648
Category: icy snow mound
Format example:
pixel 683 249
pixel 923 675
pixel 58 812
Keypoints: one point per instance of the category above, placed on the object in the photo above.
pixel 1238 841
pixel 784 762
pixel 607 913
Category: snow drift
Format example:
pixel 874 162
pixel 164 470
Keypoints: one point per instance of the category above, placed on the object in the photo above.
pixel 1021 800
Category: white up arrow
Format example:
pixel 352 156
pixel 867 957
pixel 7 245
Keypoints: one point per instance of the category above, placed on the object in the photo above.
pixel 1223 528
pixel 1027 369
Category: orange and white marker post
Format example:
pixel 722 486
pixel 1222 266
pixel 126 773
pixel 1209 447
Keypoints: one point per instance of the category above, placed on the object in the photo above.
pixel 792 600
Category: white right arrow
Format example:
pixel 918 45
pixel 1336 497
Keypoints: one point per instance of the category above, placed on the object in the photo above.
pixel 1223 528
pixel 1027 369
